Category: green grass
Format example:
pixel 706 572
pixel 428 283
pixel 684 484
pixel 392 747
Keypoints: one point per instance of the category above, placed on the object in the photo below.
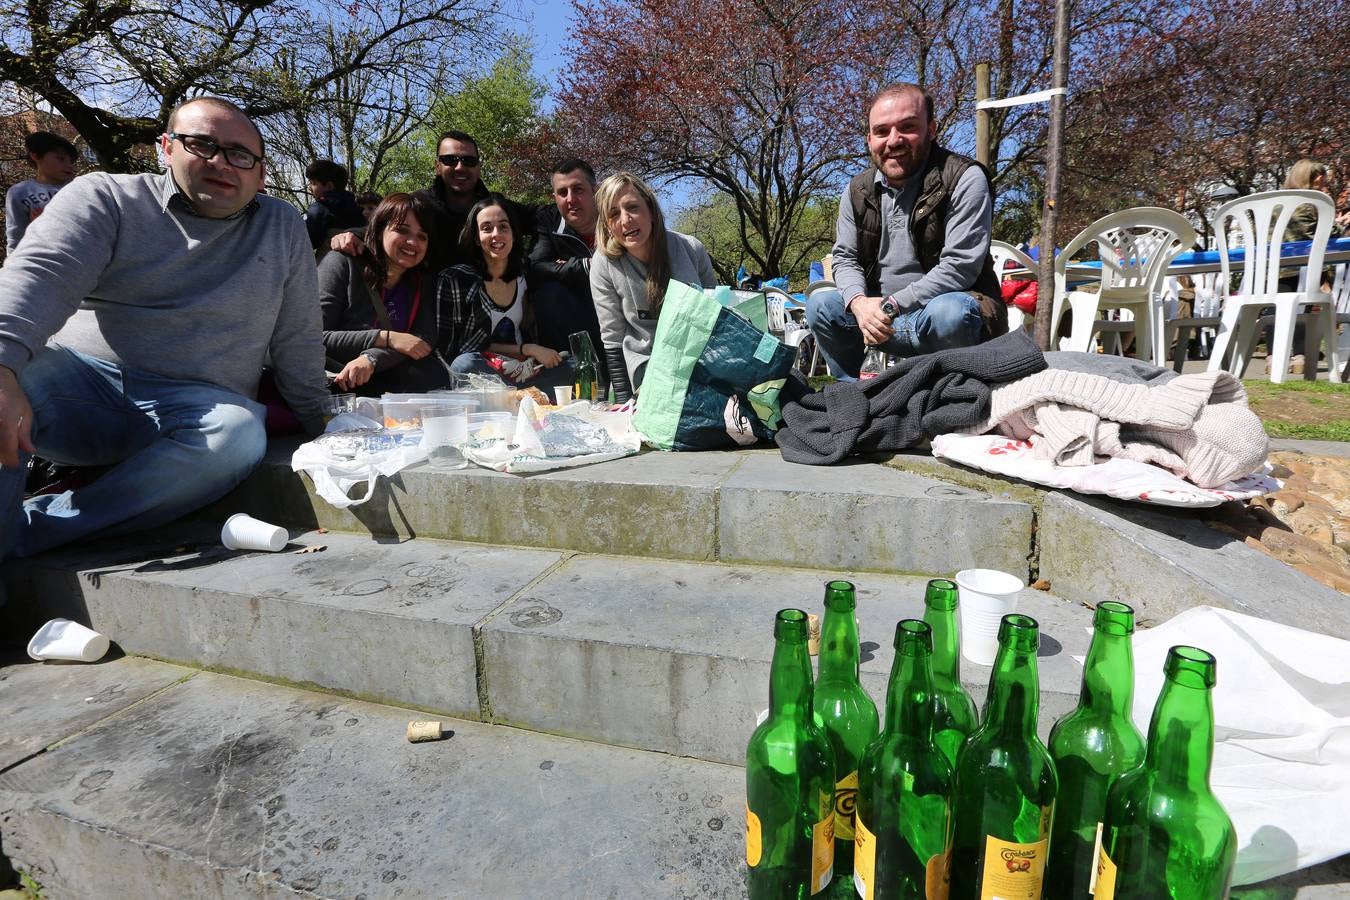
pixel 1302 410
pixel 1331 431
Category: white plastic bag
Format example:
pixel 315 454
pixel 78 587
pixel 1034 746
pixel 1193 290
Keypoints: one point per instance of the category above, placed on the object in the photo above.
pixel 1124 479
pixel 1282 733
pixel 575 435
pixel 338 461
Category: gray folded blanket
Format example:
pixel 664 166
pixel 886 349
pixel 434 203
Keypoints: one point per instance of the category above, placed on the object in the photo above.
pixel 915 399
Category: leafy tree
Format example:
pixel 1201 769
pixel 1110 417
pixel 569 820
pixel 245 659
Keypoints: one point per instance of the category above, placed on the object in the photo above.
pixel 115 68
pixel 716 224
pixel 502 109
pixel 760 100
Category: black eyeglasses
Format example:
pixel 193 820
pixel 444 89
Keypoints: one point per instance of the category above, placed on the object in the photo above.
pixel 450 160
pixel 207 148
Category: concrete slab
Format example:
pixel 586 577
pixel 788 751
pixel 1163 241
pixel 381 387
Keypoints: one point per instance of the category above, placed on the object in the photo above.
pixel 590 509
pixel 222 787
pixel 675 656
pixel 386 621
pixel 864 516
pixel 45 702
pixel 1164 563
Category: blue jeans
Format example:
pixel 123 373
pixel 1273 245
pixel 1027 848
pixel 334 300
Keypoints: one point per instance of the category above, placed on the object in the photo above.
pixel 173 446
pixel 946 321
pixel 546 379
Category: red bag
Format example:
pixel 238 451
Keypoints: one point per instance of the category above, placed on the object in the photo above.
pixel 1021 293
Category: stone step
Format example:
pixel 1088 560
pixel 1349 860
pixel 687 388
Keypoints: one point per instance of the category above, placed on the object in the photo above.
pixel 653 654
pixel 733 506
pixel 134 778
pixel 198 785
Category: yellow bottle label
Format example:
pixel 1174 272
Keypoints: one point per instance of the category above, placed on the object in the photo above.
pixel 822 846
pixel 1096 854
pixel 754 839
pixel 1012 871
pixel 937 876
pixel 845 806
pixel 864 859
pixel 1106 877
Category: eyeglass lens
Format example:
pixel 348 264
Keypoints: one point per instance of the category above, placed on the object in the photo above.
pixel 450 160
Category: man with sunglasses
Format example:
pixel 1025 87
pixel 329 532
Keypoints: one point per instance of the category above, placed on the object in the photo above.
pixel 135 320
pixel 457 186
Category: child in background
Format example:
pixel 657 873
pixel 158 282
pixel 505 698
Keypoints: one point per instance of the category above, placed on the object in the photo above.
pixel 53 159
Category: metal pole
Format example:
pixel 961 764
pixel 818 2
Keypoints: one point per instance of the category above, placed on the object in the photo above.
pixel 982 149
pixel 1054 159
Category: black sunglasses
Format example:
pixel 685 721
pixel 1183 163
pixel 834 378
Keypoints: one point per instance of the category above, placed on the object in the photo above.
pixel 207 148
pixel 450 160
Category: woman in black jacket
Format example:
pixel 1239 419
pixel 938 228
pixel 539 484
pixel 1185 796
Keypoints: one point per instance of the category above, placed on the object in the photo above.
pixel 380 315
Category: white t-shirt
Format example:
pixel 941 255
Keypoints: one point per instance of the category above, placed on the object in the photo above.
pixel 506 322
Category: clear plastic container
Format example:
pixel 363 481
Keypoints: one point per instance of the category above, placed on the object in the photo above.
pixel 488 425
pixel 403 412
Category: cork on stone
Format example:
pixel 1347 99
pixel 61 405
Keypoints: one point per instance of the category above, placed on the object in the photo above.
pixel 424 731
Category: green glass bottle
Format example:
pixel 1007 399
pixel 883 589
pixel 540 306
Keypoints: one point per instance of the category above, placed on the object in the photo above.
pixel 583 356
pixel 789 780
pixel 1092 747
pixel 904 784
pixel 1004 798
pixel 846 711
pixel 1166 836
pixel 954 716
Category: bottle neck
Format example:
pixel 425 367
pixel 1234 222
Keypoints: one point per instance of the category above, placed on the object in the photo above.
pixel 946 648
pixel 1181 736
pixel 1014 693
pixel 839 652
pixel 1108 675
pixel 790 689
pixel 909 697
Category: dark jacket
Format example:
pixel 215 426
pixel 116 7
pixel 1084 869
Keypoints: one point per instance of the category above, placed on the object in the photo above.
pixel 331 213
pixel 927 228
pixel 452 222
pixel 350 321
pixel 465 312
pixel 554 240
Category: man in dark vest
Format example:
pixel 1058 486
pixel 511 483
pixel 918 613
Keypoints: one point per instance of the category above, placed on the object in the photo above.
pixel 913 234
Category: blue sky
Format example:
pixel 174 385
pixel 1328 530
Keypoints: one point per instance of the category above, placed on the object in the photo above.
pixel 548 23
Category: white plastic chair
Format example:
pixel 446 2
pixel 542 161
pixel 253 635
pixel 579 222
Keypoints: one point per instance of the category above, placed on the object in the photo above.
pixel 792 332
pixel 1259 222
pixel 1003 253
pixel 1135 246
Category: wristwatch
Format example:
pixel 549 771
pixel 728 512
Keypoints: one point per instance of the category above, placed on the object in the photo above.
pixel 371 357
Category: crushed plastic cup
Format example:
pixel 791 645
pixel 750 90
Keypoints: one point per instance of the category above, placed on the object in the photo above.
pixel 986 596
pixel 563 394
pixel 243 532
pixel 64 639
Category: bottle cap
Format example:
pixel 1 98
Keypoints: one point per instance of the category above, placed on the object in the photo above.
pixel 813 634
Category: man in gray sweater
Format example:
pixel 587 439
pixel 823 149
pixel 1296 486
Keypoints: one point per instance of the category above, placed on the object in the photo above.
pixel 911 253
pixel 135 320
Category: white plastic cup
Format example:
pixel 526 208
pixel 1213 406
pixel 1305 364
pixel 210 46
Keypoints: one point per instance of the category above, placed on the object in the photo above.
pixel 445 429
pixel 243 532
pixel 64 639
pixel 563 394
pixel 987 595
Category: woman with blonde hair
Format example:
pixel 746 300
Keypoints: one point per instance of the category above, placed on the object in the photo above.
pixel 1307 175
pixel 635 259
